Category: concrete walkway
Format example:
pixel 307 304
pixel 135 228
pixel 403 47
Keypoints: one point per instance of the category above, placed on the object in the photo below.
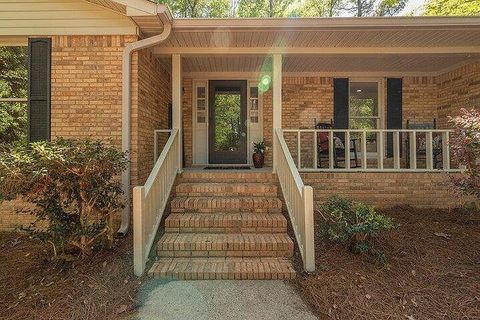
pixel 215 299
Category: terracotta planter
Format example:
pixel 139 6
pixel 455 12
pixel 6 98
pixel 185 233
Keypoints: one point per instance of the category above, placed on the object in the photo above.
pixel 258 160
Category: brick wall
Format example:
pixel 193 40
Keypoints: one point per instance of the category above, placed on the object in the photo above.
pixel 87 86
pixel 87 94
pixel 304 99
pixel 86 97
pixel 386 189
pixel 187 101
pixel 419 99
pixel 458 89
pixel 151 95
pixel 13 215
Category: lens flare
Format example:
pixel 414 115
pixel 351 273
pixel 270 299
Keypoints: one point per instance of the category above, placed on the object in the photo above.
pixel 264 83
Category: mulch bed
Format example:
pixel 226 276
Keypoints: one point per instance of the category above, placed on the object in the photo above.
pixel 433 271
pixel 33 287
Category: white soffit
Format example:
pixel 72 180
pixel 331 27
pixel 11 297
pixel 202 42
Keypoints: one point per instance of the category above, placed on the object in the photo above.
pixel 325 64
pixel 326 32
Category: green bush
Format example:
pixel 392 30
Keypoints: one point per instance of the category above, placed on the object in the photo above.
pixel 353 223
pixel 74 185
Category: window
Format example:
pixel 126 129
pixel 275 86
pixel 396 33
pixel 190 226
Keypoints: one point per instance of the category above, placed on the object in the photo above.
pixel 253 104
pixel 13 94
pixel 364 105
pixel 201 104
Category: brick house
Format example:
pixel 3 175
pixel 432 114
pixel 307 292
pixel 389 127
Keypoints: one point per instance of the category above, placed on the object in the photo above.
pixel 352 106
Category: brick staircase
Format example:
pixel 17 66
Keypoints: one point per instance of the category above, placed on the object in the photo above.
pixel 225 225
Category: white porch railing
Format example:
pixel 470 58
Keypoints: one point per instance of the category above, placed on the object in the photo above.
pixel 149 201
pixel 299 201
pixel 435 149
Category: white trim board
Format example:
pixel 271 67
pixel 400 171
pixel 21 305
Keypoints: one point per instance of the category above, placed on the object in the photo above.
pixel 312 50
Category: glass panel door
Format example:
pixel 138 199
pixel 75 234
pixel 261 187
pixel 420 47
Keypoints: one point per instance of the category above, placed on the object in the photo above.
pixel 227 131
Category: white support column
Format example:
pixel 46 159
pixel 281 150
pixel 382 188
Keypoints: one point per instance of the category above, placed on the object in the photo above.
pixel 429 150
pixel 396 150
pixel 177 103
pixel 277 99
pixel 446 150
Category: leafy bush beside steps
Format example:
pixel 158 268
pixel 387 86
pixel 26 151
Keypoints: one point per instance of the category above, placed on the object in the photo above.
pixel 75 188
pixel 354 224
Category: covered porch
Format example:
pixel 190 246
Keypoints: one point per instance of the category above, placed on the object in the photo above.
pixel 387 86
pixel 338 103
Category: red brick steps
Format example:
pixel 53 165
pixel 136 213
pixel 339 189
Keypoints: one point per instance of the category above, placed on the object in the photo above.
pixel 223 269
pixel 226 189
pixel 225 245
pixel 240 222
pixel 225 225
pixel 226 204
pixel 228 176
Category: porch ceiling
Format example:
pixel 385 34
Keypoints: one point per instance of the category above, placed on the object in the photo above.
pixel 328 64
pixel 392 32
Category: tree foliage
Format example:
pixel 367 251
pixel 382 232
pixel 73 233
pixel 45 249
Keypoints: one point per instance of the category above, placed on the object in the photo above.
pixel 13 84
pixel 366 8
pixel 73 184
pixel 320 8
pixel 264 8
pixel 198 8
pixel 466 151
pixel 452 8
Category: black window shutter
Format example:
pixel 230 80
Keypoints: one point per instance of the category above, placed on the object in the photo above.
pixel 340 105
pixel 39 84
pixel 394 110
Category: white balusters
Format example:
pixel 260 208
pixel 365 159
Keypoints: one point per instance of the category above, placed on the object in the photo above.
pixel 434 143
pixel 149 201
pixel 298 199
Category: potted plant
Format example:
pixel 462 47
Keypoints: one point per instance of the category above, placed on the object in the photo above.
pixel 259 154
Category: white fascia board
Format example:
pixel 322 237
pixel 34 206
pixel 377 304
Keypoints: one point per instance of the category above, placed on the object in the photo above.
pixel 329 23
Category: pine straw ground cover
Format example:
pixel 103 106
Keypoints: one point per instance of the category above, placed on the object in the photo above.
pixel 31 287
pixel 433 271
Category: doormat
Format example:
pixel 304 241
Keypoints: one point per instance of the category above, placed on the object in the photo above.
pixel 227 168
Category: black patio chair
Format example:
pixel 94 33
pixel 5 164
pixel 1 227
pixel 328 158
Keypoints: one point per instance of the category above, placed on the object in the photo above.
pixel 323 141
pixel 421 152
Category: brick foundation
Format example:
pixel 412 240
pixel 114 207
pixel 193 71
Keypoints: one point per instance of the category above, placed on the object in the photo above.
pixel 425 190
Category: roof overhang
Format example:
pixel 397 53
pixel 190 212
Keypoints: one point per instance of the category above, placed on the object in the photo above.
pixel 377 45
pixel 148 16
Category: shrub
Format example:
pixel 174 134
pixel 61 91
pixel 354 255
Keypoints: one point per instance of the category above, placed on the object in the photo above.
pixel 465 146
pixel 73 184
pixel 353 223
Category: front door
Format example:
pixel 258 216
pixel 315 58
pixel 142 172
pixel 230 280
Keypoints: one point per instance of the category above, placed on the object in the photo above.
pixel 227 131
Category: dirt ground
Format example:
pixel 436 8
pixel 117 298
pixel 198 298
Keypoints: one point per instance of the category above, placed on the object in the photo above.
pixel 32 287
pixel 433 271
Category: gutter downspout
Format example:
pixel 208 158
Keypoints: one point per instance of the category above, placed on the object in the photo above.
pixel 126 106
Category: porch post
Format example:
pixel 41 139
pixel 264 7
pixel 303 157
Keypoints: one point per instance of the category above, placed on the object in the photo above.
pixel 277 99
pixel 177 103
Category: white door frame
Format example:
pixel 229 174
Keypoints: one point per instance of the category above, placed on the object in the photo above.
pixel 226 76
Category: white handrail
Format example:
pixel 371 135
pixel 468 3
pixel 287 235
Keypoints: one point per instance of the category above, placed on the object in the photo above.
pixel 150 200
pixel 436 150
pixel 299 201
